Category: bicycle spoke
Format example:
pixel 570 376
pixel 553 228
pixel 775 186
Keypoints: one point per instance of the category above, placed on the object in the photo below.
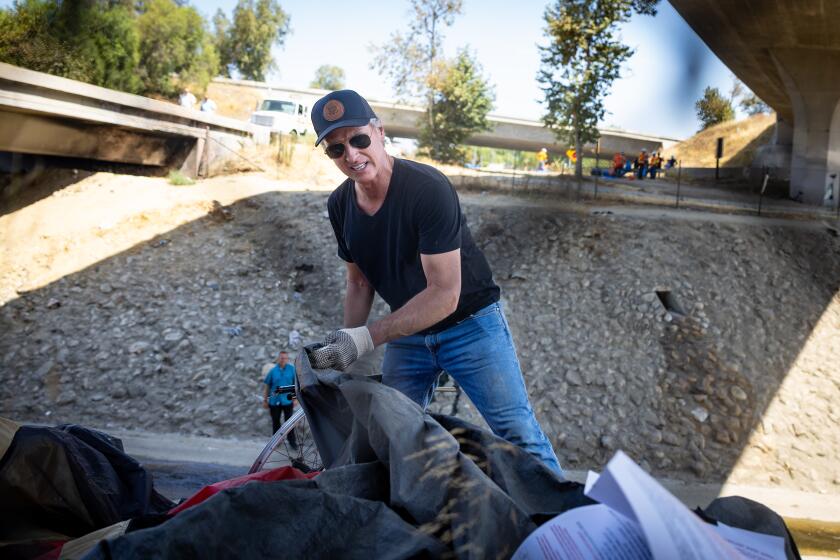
pixel 279 451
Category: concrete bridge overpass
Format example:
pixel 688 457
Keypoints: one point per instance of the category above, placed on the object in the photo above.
pixel 788 53
pixel 516 134
pixel 46 115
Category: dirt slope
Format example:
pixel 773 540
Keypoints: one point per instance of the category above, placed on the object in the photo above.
pixel 741 139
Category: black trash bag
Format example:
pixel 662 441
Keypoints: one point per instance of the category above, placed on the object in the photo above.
pixel 69 481
pixel 476 492
pixel 746 514
pixel 400 484
pixel 283 519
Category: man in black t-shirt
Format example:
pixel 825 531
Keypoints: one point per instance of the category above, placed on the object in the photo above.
pixel 401 233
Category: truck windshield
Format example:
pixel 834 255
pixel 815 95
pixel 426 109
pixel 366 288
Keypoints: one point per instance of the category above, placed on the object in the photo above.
pixel 279 106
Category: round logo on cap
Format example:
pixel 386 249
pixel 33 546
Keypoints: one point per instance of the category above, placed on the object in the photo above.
pixel 333 110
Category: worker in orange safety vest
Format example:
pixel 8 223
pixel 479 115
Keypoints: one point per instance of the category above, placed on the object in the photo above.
pixel 618 164
pixel 641 165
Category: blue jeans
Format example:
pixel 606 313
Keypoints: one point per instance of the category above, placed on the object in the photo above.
pixel 478 353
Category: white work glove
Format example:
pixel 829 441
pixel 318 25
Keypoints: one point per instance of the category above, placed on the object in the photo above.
pixel 341 348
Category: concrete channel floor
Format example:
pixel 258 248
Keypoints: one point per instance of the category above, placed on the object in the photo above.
pixel 181 465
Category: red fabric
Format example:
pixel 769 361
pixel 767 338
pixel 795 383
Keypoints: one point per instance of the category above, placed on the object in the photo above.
pixel 39 553
pixel 280 473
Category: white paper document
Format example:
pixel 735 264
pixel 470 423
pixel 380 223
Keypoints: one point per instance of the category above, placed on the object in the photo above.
pixel 586 533
pixel 637 518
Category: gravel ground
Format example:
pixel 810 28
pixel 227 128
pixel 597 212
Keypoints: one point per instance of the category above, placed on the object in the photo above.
pixel 705 348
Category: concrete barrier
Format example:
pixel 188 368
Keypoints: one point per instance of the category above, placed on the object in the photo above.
pixel 48 115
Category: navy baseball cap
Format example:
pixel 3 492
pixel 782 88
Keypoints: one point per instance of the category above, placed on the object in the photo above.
pixel 338 109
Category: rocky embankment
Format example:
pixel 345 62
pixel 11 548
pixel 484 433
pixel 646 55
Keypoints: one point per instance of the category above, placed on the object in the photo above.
pixel 666 337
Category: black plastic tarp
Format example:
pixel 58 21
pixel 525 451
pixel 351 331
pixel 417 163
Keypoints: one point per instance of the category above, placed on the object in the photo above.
pixel 401 484
pixel 67 481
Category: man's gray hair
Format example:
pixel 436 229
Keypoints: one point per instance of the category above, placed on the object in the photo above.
pixel 376 122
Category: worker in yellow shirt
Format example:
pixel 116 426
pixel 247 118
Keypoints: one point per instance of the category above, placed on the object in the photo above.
pixel 654 165
pixel 542 159
pixel 641 165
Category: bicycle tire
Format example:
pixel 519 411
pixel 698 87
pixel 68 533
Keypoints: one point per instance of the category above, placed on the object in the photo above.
pixel 278 452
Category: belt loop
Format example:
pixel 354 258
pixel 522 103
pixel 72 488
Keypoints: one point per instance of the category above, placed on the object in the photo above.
pixel 431 342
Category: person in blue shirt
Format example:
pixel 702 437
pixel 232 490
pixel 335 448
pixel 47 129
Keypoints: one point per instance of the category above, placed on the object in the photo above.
pixel 281 375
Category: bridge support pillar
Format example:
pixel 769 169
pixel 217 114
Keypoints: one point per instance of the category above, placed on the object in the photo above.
pixel 192 163
pixel 774 157
pixel 812 80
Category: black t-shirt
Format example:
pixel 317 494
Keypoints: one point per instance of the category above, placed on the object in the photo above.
pixel 420 214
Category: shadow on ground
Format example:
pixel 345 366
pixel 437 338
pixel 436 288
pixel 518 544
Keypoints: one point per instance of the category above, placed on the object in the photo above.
pixel 664 338
pixel 26 179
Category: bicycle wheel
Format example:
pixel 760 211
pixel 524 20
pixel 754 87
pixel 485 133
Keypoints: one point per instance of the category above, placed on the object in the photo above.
pixel 279 452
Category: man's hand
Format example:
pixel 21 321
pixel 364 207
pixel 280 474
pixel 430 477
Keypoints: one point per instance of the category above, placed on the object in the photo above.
pixel 265 403
pixel 341 348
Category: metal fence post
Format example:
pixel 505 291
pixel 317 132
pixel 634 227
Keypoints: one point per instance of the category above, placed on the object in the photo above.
pixel 513 177
pixel 761 194
pixel 679 181
pixel 279 152
pixel 597 166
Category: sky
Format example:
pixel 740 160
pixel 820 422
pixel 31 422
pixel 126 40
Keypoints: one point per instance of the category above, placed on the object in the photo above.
pixel 656 94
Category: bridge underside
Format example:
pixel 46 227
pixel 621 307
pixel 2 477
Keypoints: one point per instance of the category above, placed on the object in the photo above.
pixel 608 144
pixel 45 115
pixel 788 53
pixel 55 136
pixel 514 134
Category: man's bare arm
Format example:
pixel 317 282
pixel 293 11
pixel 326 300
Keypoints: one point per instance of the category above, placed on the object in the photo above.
pixel 358 297
pixel 437 301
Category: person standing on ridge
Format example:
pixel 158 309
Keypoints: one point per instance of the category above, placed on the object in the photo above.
pixel 186 99
pixel 208 105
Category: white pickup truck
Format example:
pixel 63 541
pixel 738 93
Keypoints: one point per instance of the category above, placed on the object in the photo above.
pixel 282 116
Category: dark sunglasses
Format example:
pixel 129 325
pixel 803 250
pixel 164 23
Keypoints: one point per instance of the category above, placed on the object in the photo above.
pixel 360 141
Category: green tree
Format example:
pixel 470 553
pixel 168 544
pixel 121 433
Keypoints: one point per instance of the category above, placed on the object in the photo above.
pixel 411 60
pixel 328 77
pixel 257 26
pixel 110 45
pixel 90 40
pixel 408 60
pixel 461 100
pixel 713 108
pixel 221 28
pixel 581 61
pixel 176 47
pixel 753 105
pixel 27 40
